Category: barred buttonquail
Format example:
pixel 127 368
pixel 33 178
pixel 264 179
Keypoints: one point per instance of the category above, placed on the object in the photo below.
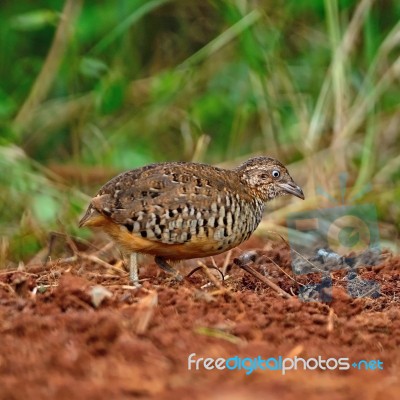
pixel 182 210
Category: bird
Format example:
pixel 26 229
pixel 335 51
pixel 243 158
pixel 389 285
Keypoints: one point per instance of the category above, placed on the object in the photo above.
pixel 183 210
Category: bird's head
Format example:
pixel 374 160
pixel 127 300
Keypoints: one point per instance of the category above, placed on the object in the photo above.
pixel 268 178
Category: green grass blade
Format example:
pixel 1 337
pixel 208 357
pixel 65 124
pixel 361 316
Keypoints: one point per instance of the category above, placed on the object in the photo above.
pixel 119 30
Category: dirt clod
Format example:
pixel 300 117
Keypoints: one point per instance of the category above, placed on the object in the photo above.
pixel 57 343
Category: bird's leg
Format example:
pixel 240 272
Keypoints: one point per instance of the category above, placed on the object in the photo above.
pixel 133 269
pixel 162 263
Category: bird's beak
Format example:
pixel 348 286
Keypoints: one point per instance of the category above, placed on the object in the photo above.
pixel 293 189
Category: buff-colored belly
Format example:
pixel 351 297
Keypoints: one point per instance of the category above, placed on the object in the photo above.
pixel 198 246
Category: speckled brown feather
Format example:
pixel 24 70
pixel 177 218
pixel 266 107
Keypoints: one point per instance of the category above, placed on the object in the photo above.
pixel 184 210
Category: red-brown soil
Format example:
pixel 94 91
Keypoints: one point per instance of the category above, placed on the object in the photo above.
pixel 56 345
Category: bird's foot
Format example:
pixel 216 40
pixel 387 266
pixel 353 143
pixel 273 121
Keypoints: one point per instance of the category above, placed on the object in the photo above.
pixel 160 261
pixel 133 271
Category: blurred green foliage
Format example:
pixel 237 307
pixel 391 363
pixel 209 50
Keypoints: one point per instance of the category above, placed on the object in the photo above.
pixel 128 82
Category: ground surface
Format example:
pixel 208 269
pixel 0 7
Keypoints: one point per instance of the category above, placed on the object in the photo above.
pixel 55 344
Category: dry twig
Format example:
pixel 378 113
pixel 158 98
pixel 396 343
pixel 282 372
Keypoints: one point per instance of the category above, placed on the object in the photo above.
pixel 242 263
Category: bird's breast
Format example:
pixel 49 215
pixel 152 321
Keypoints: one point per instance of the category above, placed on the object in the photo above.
pixel 188 230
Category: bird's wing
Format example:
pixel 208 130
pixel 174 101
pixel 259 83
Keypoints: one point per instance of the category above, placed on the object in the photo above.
pixel 172 197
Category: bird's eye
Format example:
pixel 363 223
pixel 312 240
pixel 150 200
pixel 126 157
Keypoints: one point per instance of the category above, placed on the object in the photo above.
pixel 276 173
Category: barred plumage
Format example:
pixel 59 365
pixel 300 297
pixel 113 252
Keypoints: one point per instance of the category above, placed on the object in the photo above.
pixel 184 210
